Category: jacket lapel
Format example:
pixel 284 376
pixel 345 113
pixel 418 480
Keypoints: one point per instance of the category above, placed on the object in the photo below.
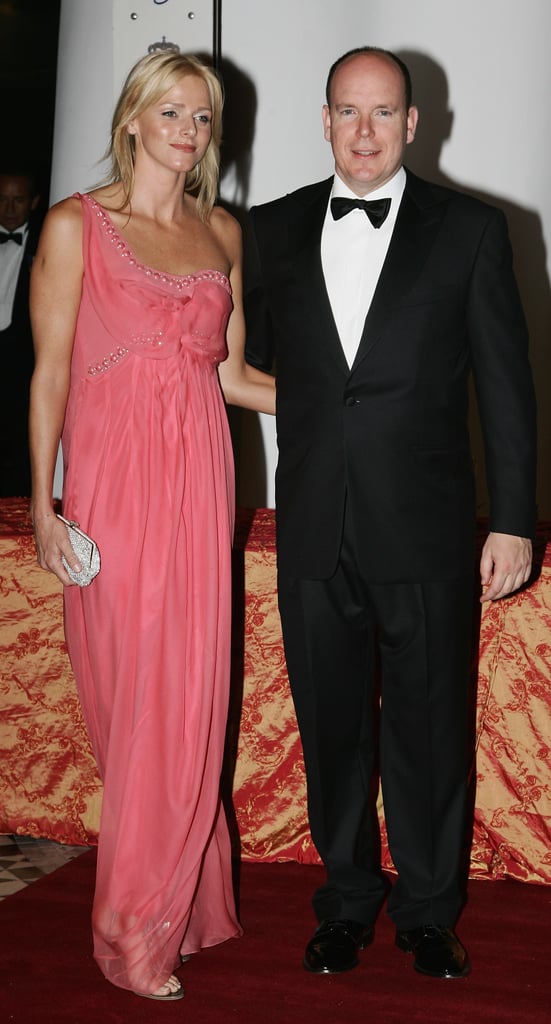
pixel 416 227
pixel 306 225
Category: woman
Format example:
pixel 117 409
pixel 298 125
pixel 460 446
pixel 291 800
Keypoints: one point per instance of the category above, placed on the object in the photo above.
pixel 137 321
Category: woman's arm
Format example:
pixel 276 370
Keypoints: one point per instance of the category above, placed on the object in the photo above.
pixel 242 384
pixel 56 287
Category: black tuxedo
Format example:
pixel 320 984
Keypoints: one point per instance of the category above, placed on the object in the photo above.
pixel 375 496
pixel 392 431
pixel 16 346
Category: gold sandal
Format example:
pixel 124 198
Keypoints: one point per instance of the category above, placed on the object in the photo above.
pixel 169 996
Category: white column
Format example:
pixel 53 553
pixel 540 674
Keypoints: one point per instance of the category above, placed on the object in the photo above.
pixel 98 44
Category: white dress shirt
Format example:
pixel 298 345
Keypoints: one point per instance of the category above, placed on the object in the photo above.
pixel 11 258
pixel 352 256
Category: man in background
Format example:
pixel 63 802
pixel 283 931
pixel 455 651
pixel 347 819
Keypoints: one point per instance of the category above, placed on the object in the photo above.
pixel 18 239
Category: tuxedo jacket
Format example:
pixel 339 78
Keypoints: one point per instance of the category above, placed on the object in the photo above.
pixel 16 345
pixel 19 352
pixel 389 435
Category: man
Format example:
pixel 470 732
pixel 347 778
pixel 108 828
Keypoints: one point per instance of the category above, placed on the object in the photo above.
pixel 18 239
pixel 376 328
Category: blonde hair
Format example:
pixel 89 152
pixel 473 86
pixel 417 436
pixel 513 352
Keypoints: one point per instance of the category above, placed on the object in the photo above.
pixel 149 79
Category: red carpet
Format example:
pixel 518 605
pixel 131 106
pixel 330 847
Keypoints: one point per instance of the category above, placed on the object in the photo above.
pixel 47 973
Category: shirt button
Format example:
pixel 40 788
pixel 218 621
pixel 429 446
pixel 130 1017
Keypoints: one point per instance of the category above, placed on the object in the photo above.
pixel 352 401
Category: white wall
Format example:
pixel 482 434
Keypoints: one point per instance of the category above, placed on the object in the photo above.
pixel 482 79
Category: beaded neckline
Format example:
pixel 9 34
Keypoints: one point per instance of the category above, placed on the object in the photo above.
pixel 174 280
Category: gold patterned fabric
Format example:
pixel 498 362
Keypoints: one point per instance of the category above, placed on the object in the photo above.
pixel 269 790
pixel 49 786
pixel 512 827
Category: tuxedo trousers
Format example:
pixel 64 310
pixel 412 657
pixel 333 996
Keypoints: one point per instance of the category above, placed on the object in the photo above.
pixel 380 675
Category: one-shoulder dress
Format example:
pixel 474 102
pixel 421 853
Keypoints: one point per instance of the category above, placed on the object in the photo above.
pixel 148 473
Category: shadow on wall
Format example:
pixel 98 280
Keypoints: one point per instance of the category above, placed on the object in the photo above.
pixel 431 95
pixel 240 107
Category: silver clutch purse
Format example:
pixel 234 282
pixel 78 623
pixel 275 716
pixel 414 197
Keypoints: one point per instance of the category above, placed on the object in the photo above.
pixel 86 551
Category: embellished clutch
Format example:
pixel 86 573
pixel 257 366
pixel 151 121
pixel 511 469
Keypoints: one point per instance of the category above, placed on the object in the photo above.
pixel 86 551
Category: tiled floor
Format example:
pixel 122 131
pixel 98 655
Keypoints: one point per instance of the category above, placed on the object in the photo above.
pixel 23 860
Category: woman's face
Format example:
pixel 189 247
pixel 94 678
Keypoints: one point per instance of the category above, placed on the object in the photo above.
pixel 175 131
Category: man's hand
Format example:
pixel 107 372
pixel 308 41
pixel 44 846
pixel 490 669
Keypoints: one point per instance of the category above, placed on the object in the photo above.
pixel 505 564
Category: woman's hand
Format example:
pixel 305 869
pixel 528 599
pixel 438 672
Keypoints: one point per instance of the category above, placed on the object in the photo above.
pixel 52 542
pixel 241 383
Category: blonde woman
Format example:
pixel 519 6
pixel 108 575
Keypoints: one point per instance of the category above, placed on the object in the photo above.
pixel 138 330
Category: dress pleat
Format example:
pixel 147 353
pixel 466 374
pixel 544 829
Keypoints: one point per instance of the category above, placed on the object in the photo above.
pixel 149 474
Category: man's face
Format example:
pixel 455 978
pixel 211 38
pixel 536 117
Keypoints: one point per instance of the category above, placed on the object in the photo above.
pixel 367 123
pixel 16 201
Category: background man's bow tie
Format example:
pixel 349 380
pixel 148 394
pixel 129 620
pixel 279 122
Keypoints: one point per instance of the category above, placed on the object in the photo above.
pixel 376 209
pixel 11 236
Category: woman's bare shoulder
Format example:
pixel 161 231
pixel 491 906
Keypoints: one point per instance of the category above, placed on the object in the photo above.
pixel 65 215
pixel 227 230
pixel 62 228
pixel 224 220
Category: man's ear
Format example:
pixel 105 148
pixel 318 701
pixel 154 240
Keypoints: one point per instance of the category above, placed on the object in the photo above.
pixel 411 124
pixel 35 202
pixel 326 116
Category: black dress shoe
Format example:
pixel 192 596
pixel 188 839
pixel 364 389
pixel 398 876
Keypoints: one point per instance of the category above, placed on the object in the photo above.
pixel 437 951
pixel 334 946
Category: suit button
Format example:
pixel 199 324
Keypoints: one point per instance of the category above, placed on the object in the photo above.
pixel 352 401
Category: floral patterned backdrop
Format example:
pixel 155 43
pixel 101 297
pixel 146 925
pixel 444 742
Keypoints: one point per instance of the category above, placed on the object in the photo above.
pixel 49 785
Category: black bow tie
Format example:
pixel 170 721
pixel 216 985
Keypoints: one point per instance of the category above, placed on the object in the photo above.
pixel 376 209
pixel 11 236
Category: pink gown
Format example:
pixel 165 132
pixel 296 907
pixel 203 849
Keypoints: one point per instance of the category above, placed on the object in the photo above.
pixel 149 474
